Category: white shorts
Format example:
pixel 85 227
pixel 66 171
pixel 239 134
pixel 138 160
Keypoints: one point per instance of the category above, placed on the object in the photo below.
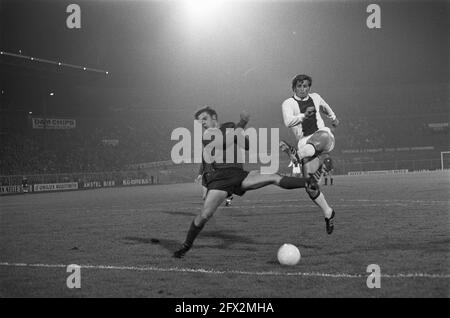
pixel 327 144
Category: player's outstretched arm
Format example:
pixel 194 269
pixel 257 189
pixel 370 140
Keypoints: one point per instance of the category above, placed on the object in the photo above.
pixel 327 111
pixel 231 134
pixel 335 123
pixel 240 139
pixel 245 118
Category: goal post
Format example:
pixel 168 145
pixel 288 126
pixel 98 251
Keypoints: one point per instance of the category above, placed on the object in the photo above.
pixel 445 160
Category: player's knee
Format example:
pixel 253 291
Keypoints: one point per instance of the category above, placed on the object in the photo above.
pixel 201 220
pixel 312 192
pixel 276 179
pixel 205 216
pixel 322 141
pixel 310 165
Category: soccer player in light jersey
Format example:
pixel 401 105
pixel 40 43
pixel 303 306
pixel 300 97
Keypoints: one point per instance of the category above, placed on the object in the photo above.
pixel 223 179
pixel 301 113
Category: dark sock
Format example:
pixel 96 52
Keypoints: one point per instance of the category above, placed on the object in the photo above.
pixel 194 230
pixel 292 182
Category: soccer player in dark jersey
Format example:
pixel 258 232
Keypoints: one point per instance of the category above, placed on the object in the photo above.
pixel 200 179
pixel 227 178
pixel 328 170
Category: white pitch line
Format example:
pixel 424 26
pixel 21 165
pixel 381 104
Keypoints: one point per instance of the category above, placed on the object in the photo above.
pixel 302 206
pixel 354 200
pixel 225 272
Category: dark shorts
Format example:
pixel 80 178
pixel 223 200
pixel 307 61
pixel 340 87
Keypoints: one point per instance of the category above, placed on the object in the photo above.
pixel 228 179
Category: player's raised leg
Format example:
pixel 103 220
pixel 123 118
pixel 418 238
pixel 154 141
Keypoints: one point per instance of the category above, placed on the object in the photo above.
pixel 256 180
pixel 290 151
pixel 321 142
pixel 213 200
pixel 317 196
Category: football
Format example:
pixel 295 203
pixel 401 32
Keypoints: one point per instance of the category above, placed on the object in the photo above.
pixel 288 254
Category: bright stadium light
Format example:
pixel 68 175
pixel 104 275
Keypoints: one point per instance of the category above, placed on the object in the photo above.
pixel 202 11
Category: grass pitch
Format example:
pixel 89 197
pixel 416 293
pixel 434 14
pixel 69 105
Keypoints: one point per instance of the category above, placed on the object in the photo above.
pixel 123 239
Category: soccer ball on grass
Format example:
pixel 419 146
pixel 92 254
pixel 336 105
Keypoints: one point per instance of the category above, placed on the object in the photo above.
pixel 288 254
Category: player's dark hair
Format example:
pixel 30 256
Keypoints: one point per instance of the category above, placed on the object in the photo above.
pixel 211 112
pixel 300 78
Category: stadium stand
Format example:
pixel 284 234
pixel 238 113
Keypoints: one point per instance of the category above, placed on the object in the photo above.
pixel 115 142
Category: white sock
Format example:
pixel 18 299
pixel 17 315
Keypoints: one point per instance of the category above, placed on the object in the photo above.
pixel 322 203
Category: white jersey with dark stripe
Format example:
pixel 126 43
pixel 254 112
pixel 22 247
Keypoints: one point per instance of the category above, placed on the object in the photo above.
pixel 294 114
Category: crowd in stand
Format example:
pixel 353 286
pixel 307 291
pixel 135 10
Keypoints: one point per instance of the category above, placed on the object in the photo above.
pixel 386 132
pixel 111 145
pixel 103 148
pixel 360 133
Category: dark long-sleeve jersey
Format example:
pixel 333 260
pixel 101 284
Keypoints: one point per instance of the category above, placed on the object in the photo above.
pixel 207 167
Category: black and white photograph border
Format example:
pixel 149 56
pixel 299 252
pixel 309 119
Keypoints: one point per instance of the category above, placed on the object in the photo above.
pixel 214 150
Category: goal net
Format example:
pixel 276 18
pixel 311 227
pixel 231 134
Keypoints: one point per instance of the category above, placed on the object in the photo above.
pixel 445 160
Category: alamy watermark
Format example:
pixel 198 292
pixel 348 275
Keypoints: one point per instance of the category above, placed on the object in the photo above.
pixel 74 279
pixel 252 146
pixel 373 21
pixel 374 279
